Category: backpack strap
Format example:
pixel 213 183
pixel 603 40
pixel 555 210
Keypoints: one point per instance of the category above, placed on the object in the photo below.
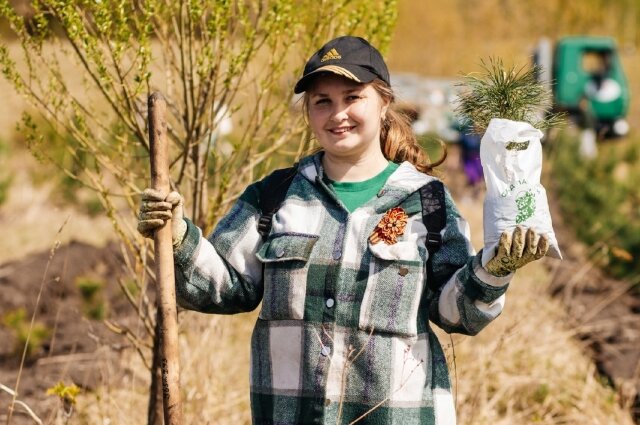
pixel 273 190
pixel 434 217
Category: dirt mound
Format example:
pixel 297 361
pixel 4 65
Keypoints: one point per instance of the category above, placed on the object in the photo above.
pixel 605 314
pixel 79 289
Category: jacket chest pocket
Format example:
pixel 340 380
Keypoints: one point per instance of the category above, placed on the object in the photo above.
pixel 285 258
pixel 394 288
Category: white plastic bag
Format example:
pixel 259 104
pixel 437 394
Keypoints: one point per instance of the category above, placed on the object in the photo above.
pixel 511 156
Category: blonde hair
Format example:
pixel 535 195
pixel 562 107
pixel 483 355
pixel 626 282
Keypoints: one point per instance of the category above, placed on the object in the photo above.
pixel 397 140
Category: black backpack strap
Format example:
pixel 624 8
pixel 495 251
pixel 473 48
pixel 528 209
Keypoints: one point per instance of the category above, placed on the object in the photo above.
pixel 434 217
pixel 273 190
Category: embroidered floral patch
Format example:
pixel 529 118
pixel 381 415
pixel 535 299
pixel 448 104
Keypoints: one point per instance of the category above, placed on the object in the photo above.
pixel 390 227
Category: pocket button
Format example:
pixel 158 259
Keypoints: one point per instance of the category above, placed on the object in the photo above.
pixel 403 271
pixel 280 252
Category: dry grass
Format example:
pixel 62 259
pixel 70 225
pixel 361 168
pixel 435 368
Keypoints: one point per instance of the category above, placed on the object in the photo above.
pixel 29 219
pixel 214 355
pixel 527 368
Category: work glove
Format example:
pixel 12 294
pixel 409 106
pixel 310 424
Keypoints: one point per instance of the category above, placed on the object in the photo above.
pixel 156 209
pixel 514 251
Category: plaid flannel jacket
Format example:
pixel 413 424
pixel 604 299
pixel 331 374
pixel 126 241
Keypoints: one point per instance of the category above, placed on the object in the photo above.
pixel 343 329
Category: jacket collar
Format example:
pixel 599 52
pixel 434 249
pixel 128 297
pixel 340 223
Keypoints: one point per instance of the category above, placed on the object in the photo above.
pixel 402 183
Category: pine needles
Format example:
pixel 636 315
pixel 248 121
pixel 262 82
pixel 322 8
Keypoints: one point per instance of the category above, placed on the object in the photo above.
pixel 513 94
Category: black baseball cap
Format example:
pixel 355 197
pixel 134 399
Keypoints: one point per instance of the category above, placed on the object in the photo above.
pixel 351 57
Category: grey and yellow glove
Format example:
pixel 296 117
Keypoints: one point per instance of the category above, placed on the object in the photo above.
pixel 514 251
pixel 156 209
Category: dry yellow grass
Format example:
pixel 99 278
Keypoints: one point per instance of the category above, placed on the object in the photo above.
pixel 527 368
pixel 214 355
pixel 29 221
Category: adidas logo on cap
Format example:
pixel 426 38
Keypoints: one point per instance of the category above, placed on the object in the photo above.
pixel 331 54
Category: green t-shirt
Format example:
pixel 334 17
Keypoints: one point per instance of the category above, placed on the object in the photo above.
pixel 356 194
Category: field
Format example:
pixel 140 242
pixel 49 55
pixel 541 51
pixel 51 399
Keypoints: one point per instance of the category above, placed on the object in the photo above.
pixel 563 352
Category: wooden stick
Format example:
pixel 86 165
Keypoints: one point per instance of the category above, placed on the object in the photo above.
pixel 165 277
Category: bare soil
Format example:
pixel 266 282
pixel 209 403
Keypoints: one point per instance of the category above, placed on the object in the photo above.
pixel 604 312
pixel 79 350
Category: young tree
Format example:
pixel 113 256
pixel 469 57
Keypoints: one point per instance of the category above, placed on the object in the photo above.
pixel 214 60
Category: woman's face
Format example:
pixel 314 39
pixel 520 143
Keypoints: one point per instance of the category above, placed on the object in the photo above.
pixel 345 116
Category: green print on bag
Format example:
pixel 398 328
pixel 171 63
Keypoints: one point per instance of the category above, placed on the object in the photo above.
pixel 512 186
pixel 526 204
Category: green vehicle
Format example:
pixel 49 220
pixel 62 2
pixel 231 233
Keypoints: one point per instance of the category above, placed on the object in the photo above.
pixel 587 81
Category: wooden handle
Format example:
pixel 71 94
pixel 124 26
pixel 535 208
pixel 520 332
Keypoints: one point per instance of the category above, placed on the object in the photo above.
pixel 165 277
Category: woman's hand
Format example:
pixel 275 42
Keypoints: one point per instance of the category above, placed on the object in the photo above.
pixel 156 209
pixel 514 251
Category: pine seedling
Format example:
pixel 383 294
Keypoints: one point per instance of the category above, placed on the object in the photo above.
pixel 514 94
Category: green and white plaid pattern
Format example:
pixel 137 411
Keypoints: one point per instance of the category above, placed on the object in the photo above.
pixel 343 329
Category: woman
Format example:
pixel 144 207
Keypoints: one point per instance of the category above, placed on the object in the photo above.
pixel 343 332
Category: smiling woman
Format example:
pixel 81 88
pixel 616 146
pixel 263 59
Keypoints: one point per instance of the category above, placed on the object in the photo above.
pixel 347 276
pixel 346 118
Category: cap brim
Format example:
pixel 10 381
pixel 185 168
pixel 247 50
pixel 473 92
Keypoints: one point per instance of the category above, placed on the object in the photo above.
pixel 353 72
